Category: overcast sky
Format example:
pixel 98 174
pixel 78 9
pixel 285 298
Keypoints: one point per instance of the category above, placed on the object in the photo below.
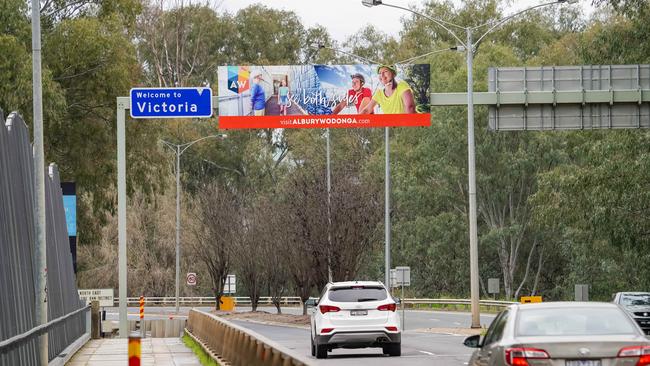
pixel 344 17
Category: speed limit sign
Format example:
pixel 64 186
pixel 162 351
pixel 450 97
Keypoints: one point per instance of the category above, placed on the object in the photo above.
pixel 191 279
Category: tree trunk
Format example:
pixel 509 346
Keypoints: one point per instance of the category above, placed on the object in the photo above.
pixel 277 306
pixel 523 281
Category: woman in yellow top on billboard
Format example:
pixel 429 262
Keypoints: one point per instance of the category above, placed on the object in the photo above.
pixel 395 98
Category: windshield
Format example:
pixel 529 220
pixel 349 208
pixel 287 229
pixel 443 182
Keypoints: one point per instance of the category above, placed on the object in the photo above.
pixel 357 294
pixel 635 299
pixel 573 321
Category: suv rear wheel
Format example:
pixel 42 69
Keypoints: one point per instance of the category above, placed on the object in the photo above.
pixel 321 350
pixel 393 349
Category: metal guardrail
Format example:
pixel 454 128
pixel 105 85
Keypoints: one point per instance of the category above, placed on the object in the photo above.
pixel 295 300
pixel 495 303
pixel 236 345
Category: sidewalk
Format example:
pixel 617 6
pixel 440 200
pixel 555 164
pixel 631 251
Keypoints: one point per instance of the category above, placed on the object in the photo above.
pixel 155 351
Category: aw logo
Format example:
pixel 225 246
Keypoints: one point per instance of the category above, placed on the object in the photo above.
pixel 238 79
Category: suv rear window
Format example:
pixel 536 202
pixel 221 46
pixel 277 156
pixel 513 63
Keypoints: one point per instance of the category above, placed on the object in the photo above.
pixel 635 299
pixel 357 294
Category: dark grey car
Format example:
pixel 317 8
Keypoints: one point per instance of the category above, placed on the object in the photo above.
pixel 561 333
pixel 638 305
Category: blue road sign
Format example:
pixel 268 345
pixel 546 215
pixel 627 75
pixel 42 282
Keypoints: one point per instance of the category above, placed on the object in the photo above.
pixel 70 208
pixel 171 102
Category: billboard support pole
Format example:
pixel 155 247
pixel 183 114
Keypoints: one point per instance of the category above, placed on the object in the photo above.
pixel 329 210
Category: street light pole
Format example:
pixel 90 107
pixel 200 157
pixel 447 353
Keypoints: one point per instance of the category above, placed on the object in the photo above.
pixel 471 163
pixel 179 149
pixel 470 48
pixel 40 223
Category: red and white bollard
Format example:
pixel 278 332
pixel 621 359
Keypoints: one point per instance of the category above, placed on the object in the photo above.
pixel 142 315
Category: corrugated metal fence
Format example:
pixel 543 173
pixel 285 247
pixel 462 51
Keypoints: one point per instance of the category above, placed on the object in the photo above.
pixel 17 240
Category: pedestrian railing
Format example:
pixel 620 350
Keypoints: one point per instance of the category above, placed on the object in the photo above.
pixel 228 343
pixel 60 324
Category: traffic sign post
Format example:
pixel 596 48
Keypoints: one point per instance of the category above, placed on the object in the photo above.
pixel 148 103
pixel 401 277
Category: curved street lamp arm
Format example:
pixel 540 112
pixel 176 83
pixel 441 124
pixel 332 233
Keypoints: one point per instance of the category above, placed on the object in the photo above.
pixel 366 60
pixel 168 144
pixel 439 22
pixel 409 60
pixel 187 145
pixel 503 20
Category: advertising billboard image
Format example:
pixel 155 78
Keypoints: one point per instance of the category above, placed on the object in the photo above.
pixel 320 96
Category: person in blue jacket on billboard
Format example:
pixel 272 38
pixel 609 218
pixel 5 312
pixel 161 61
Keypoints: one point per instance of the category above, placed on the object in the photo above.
pixel 258 97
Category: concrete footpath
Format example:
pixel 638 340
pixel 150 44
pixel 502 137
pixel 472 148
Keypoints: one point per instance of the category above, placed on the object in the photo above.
pixel 155 351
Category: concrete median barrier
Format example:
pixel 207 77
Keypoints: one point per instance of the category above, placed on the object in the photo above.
pixel 231 344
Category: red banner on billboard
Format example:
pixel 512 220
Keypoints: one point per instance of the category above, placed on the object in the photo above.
pixel 323 96
pixel 339 121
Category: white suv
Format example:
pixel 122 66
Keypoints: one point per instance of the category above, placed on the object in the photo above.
pixel 355 315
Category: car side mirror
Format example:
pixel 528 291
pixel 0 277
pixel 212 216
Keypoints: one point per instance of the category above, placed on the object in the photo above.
pixel 311 302
pixel 398 301
pixel 473 341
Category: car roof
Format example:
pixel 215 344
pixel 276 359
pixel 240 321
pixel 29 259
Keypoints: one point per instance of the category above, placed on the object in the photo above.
pixel 566 304
pixel 635 293
pixel 355 283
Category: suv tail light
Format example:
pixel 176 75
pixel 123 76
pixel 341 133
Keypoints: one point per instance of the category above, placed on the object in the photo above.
pixel 643 352
pixel 329 309
pixel 392 329
pixel 387 307
pixel 520 356
pixel 326 330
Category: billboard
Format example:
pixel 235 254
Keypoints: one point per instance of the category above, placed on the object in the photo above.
pixel 321 96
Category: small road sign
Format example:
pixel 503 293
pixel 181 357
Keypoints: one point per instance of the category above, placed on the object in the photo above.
pixel 493 286
pixel 191 279
pixel 403 276
pixel 103 295
pixel 230 287
pixel 171 102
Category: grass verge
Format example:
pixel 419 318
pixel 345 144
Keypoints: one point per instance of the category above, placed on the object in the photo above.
pixel 204 358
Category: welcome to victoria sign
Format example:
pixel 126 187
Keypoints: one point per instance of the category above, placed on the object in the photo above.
pixel 322 96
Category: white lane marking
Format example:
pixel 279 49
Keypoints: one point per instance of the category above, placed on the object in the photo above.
pixel 427 353
pixel 456 323
pixel 435 320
